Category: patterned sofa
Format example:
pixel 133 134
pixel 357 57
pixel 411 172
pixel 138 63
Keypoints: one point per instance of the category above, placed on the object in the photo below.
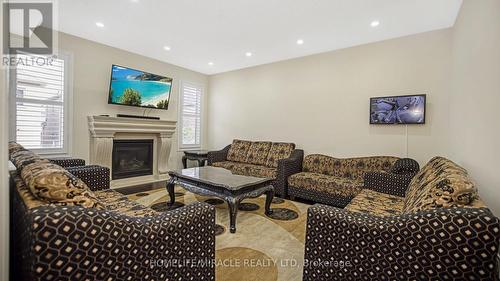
pixel 336 181
pixel 275 160
pixel 65 229
pixel 440 230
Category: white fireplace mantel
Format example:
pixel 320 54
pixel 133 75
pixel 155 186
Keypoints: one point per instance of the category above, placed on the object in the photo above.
pixel 104 129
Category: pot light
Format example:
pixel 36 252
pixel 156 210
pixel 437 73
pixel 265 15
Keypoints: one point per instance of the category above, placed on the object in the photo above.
pixel 375 23
pixel 166 48
pixel 99 24
pixel 300 42
pixel 210 63
pixel 248 54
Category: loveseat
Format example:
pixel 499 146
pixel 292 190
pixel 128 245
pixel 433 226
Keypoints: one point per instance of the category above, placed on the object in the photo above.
pixel 65 229
pixel 440 230
pixel 275 160
pixel 336 181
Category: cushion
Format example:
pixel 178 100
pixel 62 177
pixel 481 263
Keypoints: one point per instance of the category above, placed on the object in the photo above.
pixel 323 183
pixel 30 201
pixel 257 153
pixel 238 151
pixel 376 203
pixel 351 168
pixel 119 203
pixel 22 158
pixel 248 169
pixel 278 151
pixel 55 185
pixel 440 184
pixel 14 147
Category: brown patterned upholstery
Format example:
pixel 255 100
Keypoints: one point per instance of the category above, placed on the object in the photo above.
pixel 324 183
pixel 441 230
pixel 340 178
pixel 53 184
pixel 119 203
pixel 27 197
pixel 440 183
pixel 376 203
pixel 278 161
pixel 121 242
pixel 22 158
pixel 278 151
pixel 353 168
pixel 238 150
pixel 257 153
pixel 49 182
pixel 247 169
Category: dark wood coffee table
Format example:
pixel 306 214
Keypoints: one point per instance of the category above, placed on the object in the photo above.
pixel 221 183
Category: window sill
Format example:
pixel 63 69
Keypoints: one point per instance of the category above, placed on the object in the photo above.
pixel 182 149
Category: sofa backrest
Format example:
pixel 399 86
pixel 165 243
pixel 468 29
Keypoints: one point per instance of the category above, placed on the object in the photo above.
pixel 263 153
pixel 441 183
pixel 352 168
pixel 49 182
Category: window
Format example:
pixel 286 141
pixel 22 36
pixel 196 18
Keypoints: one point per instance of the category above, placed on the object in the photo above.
pixel 190 116
pixel 41 98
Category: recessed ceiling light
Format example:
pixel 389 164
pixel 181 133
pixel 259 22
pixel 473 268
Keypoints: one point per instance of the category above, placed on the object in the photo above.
pixel 166 48
pixel 300 42
pixel 210 63
pixel 248 54
pixel 134 1
pixel 99 24
pixel 375 23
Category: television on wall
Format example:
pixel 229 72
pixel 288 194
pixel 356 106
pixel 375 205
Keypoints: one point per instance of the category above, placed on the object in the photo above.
pixel 398 110
pixel 138 88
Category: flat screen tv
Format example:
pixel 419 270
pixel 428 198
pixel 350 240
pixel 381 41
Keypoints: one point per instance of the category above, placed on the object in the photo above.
pixel 398 110
pixel 138 88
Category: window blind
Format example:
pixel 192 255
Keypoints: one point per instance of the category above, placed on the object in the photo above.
pixel 190 116
pixel 40 105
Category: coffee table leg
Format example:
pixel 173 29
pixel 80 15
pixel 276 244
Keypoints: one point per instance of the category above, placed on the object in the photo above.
pixel 233 211
pixel 170 189
pixel 269 200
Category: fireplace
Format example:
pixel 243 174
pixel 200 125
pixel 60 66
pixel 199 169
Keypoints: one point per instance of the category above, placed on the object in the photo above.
pixel 132 158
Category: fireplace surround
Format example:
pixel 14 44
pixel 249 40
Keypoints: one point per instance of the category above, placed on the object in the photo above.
pixel 105 130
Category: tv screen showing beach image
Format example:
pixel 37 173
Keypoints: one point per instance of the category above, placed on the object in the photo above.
pixel 138 88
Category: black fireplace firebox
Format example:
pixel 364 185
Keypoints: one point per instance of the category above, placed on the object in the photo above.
pixel 132 158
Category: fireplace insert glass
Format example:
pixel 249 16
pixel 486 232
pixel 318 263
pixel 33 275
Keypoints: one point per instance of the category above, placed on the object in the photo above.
pixel 132 158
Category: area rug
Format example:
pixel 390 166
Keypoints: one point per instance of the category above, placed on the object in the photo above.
pixel 263 248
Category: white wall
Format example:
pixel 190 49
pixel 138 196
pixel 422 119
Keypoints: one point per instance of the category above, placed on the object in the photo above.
pixel 91 73
pixel 321 102
pixel 475 96
pixel 4 191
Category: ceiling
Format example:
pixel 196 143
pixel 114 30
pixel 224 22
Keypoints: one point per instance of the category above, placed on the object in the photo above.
pixel 223 31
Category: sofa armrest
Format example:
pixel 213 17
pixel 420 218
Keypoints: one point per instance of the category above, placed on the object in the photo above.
pixel 96 177
pixel 440 244
pixel 67 162
pixel 218 155
pixel 106 245
pixel 287 167
pixel 389 183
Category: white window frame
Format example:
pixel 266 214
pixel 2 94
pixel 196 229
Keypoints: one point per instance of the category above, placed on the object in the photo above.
pixel 68 108
pixel 181 146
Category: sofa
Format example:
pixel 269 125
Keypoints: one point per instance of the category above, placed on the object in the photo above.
pixel 336 181
pixel 439 230
pixel 65 229
pixel 265 159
